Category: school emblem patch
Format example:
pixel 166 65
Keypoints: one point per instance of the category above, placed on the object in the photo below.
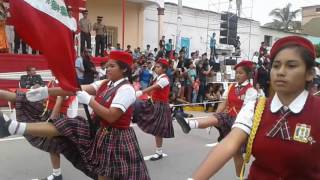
pixel 302 133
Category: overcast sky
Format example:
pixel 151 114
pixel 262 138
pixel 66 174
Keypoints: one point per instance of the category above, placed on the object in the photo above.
pixel 260 10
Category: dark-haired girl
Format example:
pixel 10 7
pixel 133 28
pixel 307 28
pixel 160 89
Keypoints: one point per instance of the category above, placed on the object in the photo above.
pixel 233 99
pixel 113 151
pixel 284 130
pixel 156 118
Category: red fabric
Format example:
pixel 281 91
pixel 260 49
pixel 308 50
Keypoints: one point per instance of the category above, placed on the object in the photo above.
pixel 245 63
pixel 51 37
pixel 52 100
pixel 163 61
pixel 292 40
pixel 8 62
pixel 278 159
pixel 235 102
pixel 161 94
pixel 124 121
pixel 121 56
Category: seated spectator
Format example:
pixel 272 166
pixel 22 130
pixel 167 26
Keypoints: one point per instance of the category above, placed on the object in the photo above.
pixel 213 94
pixel 102 70
pixel 31 79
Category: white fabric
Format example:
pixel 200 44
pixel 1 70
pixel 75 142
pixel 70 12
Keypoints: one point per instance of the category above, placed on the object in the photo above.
pixel 45 7
pixel 138 93
pixel 83 97
pixel 244 118
pixel 72 110
pixel 96 85
pixel 295 106
pixel 125 96
pixel 37 94
pixel 79 67
pixel 162 81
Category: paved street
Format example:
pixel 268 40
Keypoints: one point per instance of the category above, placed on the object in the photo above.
pixel 20 161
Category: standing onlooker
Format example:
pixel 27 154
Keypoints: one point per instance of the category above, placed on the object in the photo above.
pixel 3 37
pixel 259 90
pixel 168 47
pixel 192 75
pixel 263 77
pixel 213 43
pixel 19 42
pixel 128 50
pixel 89 68
pixel 85 28
pixel 148 50
pixel 162 42
pixel 100 30
pixel 195 86
pixel 145 76
pixel 79 67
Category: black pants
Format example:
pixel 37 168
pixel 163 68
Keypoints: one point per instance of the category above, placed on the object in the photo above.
pixel 99 45
pixel 17 43
pixel 85 41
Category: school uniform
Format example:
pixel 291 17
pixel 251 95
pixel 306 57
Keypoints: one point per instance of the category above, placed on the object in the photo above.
pixel 236 96
pixel 27 111
pixel 114 150
pixel 155 117
pixel 287 143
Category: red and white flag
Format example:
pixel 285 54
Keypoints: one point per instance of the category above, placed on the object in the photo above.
pixel 46 26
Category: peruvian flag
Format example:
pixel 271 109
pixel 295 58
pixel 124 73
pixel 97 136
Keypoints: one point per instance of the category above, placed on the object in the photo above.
pixel 46 26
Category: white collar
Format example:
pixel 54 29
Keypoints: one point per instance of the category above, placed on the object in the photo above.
pixel 295 106
pixel 243 84
pixel 117 82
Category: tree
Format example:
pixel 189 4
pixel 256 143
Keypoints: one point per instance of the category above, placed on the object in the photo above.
pixel 284 19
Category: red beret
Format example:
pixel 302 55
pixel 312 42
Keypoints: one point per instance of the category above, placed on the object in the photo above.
pixel 245 63
pixel 292 40
pixel 121 56
pixel 163 61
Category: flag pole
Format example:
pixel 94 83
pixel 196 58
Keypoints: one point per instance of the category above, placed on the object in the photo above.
pixel 123 20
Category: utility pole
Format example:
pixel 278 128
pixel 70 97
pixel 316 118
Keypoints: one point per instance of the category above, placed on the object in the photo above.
pixel 179 24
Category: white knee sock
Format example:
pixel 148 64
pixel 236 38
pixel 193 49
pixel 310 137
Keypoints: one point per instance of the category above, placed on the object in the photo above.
pixel 17 128
pixel 159 150
pixel 193 124
pixel 56 172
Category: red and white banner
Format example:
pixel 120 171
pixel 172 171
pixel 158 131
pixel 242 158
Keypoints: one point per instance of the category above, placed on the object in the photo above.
pixel 46 26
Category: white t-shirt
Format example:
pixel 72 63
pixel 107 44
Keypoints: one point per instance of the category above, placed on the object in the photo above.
pixel 79 67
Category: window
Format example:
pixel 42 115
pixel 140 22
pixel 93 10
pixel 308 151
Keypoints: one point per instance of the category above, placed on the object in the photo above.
pixel 112 35
pixel 268 40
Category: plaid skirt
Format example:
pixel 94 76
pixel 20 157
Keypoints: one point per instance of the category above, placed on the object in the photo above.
pixel 225 122
pixel 112 152
pixel 32 112
pixel 154 118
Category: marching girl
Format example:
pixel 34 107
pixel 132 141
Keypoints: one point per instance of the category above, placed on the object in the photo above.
pixel 284 130
pixel 35 112
pixel 156 118
pixel 113 151
pixel 233 99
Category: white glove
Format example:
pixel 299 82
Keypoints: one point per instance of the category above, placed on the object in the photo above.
pixel 138 93
pixel 37 94
pixel 83 97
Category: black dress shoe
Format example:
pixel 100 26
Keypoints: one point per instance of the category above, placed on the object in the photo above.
pixel 53 177
pixel 184 125
pixel 4 127
pixel 156 157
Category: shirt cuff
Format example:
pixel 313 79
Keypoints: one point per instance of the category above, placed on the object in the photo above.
pixel 243 127
pixel 120 106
